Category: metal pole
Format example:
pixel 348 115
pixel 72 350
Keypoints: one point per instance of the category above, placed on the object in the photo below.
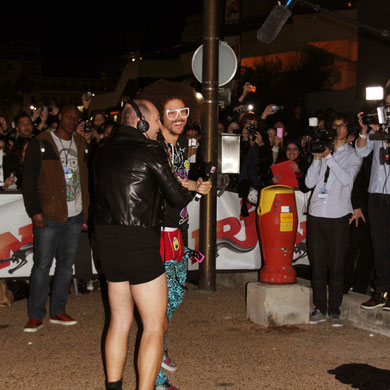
pixel 208 205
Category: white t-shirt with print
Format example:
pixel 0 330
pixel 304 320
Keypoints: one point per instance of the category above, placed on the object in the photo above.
pixel 68 154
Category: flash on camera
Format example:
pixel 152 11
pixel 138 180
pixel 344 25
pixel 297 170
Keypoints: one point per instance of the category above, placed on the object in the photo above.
pixel 374 93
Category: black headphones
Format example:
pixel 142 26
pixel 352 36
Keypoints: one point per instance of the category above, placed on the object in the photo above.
pixel 142 125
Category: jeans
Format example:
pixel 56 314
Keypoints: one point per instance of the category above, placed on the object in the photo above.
pixel 59 240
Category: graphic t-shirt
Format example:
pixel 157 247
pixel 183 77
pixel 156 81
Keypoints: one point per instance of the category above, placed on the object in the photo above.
pixel 68 154
pixel 178 217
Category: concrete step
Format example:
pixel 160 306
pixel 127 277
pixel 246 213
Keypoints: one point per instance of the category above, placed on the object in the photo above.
pixel 376 320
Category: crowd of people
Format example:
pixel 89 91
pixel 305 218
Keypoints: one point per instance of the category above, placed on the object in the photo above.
pixel 128 185
pixel 347 178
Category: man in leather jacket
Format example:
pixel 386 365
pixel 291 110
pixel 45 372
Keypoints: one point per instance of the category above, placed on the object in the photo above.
pixel 177 104
pixel 132 177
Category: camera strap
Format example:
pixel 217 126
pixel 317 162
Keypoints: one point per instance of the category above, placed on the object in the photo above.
pixel 326 176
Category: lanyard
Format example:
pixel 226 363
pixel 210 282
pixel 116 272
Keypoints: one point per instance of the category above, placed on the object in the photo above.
pixel 327 173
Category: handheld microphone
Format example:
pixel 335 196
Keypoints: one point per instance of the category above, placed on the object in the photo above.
pixel 273 24
pixel 209 171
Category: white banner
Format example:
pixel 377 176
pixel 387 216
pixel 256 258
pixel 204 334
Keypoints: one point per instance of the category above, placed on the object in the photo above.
pixel 1 168
pixel 16 238
pixel 237 243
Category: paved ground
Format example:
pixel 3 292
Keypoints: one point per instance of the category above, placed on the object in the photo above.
pixel 210 338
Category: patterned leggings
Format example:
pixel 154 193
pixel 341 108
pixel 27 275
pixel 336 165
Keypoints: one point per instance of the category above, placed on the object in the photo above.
pixel 176 273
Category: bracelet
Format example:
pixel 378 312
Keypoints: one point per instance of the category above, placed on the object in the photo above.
pixel 364 136
pixel 329 156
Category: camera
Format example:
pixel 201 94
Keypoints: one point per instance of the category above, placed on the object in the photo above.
pixel 370 119
pixel 248 108
pixel 87 127
pixel 252 131
pixel 88 95
pixel 320 140
pixel 277 108
pixel 383 119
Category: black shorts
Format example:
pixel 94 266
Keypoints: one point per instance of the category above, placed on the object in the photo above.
pixel 127 255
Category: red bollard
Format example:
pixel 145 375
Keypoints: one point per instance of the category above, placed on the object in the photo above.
pixel 277 223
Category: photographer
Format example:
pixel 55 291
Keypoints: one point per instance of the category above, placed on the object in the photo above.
pixel 331 175
pixel 378 206
pixel 255 158
pixel 236 109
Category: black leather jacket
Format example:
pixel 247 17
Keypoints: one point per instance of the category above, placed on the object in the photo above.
pixel 132 176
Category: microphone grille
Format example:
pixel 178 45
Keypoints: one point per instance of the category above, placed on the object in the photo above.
pixel 273 24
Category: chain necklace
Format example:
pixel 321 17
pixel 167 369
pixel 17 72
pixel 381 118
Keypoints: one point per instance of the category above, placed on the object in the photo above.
pixel 66 151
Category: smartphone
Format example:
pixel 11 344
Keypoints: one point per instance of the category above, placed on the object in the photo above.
pixel 192 142
pixel 88 95
pixel 313 122
pixel 252 88
pixel 247 108
pixel 279 132
pixel 277 108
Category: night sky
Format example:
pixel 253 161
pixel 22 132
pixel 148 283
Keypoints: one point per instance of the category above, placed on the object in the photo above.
pixel 75 36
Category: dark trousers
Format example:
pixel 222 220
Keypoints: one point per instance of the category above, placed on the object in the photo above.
pixel 327 240
pixel 359 261
pixel 83 263
pixel 379 210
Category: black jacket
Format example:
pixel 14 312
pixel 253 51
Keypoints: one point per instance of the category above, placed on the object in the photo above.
pixel 132 176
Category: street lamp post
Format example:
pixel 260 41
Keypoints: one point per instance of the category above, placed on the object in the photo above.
pixel 208 205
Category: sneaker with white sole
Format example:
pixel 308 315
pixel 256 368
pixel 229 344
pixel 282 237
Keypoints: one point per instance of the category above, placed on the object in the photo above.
pixel 33 325
pixel 167 363
pixel 386 307
pixel 164 386
pixel 335 321
pixel 90 285
pixel 63 319
pixel 377 299
pixel 317 317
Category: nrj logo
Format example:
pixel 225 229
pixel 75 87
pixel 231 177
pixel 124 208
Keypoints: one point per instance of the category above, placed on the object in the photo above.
pixel 10 244
pixel 230 228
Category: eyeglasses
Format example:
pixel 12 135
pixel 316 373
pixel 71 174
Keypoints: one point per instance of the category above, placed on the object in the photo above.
pixel 173 114
pixel 344 125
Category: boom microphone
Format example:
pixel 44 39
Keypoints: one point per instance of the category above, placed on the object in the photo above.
pixel 379 136
pixel 273 24
pixel 209 170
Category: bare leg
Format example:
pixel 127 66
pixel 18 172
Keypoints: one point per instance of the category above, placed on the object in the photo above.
pixel 122 309
pixel 151 300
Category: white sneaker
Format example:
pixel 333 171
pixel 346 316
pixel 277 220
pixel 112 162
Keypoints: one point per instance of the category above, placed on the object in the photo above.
pixel 168 363
pixel 90 285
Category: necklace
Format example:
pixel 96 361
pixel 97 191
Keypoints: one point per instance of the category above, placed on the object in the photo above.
pixel 66 151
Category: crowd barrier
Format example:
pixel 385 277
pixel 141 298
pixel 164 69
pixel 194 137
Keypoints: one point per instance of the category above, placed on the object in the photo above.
pixel 237 239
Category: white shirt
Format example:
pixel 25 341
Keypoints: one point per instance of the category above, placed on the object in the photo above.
pixel 344 165
pixel 69 161
pixel 380 174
